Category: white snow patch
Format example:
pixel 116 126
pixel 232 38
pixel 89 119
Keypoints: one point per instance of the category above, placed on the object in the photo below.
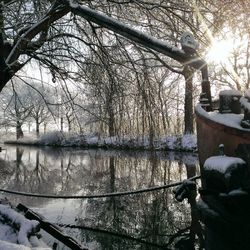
pixel 230 120
pixel 72 4
pixel 222 163
pixel 238 192
pixel 25 226
pixel 189 141
pixel 93 140
pixel 230 92
pixel 11 246
pixel 187 40
pixel 7 233
pixel 245 103
pixel 247 94
pixel 171 142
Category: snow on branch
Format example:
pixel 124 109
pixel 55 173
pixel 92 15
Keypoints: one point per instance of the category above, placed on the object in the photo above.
pixel 41 26
pixel 24 226
pixel 134 34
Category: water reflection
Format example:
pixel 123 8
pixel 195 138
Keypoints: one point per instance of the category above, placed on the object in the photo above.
pixel 153 217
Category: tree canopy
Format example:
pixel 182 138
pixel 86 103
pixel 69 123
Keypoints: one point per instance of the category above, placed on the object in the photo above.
pixel 109 47
pixel 39 29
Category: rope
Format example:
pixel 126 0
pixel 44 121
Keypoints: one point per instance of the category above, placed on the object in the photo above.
pixel 96 195
pixel 124 236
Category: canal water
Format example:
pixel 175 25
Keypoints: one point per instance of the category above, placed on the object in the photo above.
pixel 153 220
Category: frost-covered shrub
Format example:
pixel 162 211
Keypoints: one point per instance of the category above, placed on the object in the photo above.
pixel 55 138
pixel 186 142
pixel 171 142
pixel 92 140
pixel 74 140
pixel 189 142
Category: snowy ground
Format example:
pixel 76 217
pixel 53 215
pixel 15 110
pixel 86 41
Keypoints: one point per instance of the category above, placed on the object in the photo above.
pixel 186 142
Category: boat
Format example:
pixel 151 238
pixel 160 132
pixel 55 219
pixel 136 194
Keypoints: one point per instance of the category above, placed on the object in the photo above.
pixel 224 126
pixel 223 140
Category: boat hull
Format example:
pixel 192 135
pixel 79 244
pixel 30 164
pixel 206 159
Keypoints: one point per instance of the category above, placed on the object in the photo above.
pixel 210 134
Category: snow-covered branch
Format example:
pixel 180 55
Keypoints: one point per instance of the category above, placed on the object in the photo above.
pixel 25 226
pixel 42 26
pixel 134 34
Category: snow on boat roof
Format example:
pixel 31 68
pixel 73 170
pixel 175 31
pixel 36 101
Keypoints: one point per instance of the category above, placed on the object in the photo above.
pixel 230 92
pixel 222 163
pixel 230 120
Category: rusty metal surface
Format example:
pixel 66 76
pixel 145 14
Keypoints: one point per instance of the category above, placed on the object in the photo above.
pixel 211 134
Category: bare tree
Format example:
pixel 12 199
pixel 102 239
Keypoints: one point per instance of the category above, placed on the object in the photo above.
pixel 16 108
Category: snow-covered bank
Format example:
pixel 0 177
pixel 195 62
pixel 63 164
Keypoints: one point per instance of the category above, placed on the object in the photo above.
pixel 187 142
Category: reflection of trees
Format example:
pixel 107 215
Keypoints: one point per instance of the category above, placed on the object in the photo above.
pixel 33 171
pixel 19 164
pixel 5 172
pixel 153 217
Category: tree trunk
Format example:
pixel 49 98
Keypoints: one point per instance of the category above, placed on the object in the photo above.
pixel 69 126
pixel 111 125
pixel 19 155
pixel 151 135
pixel 189 119
pixel 177 127
pixel 44 127
pixel 19 131
pixel 111 118
pixel 37 161
pixel 61 123
pixel 37 128
pixel 160 90
pixel 112 174
pixel 69 121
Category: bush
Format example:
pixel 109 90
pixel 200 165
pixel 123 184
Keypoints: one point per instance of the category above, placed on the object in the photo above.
pixel 55 138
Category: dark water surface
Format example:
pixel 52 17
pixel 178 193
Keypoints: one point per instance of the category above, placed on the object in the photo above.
pixel 154 217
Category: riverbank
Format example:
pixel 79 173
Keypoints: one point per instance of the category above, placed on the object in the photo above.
pixel 185 143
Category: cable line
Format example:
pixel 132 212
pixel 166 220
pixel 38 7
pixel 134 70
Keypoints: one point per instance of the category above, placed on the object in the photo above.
pixel 95 196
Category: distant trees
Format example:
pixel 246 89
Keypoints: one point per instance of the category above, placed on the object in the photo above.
pixel 21 105
pixel 16 108
pixel 40 112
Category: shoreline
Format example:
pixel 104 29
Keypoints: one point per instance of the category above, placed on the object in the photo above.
pixel 184 143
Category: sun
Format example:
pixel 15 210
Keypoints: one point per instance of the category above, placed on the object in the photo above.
pixel 220 51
